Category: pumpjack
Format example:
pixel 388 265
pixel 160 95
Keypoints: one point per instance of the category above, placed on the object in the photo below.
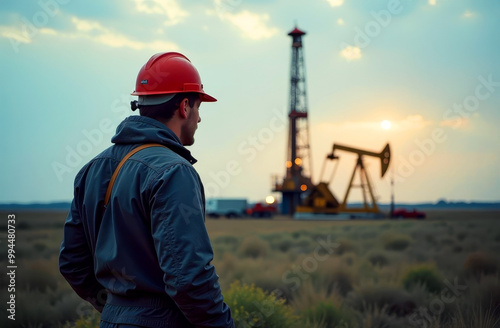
pixel 320 200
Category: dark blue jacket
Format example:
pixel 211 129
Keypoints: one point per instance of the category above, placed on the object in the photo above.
pixel 148 252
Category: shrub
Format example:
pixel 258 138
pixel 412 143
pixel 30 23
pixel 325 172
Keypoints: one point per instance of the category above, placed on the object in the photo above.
pixel 375 317
pixel 378 258
pixel 396 241
pixel 308 295
pixel 285 244
pixel 282 241
pixel 39 247
pixel 38 275
pixel 483 298
pixel 85 322
pixel 227 240
pixel 489 294
pixel 254 247
pixel 341 282
pixel 447 241
pixel 324 314
pixel 479 263
pixel 396 301
pixel 252 307
pixel 461 235
pixel 343 246
pixel 35 308
pixel 297 234
pixel 424 275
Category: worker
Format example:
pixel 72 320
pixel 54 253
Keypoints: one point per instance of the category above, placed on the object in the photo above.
pixel 135 243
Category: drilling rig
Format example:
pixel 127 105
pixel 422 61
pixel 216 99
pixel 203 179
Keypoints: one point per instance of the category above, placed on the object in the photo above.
pixel 300 197
pixel 297 178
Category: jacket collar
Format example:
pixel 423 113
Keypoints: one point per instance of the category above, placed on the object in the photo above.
pixel 141 130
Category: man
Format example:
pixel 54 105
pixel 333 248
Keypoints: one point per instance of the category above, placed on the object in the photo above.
pixel 135 245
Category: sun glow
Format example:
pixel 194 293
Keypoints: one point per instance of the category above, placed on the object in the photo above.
pixel 385 124
pixel 270 199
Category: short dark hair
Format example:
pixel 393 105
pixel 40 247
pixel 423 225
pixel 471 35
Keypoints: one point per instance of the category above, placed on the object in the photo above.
pixel 164 112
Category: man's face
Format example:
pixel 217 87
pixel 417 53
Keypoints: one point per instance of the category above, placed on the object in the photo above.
pixel 191 124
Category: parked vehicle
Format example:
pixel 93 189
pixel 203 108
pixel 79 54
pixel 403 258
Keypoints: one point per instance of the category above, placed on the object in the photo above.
pixel 237 208
pixel 404 213
pixel 260 210
pixel 228 207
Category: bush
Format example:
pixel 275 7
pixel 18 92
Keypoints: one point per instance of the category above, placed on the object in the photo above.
pixel 341 281
pixel 395 301
pixel 227 240
pixel 85 322
pixel 254 247
pixel 378 258
pixel 252 307
pixel 344 246
pixel 40 275
pixel 324 314
pixel 479 263
pixel 423 275
pixel 396 241
pixel 461 235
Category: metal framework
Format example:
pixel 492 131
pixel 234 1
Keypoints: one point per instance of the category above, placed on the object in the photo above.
pixel 299 162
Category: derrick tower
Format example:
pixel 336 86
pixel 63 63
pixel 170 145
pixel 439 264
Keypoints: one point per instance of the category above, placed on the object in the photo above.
pixel 298 164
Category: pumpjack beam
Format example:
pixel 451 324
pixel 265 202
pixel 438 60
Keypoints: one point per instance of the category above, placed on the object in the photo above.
pixel 320 200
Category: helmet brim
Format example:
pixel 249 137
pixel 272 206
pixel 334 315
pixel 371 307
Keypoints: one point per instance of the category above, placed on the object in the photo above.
pixel 207 98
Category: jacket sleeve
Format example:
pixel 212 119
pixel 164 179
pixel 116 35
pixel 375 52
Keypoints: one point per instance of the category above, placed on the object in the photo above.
pixel 183 247
pixel 76 262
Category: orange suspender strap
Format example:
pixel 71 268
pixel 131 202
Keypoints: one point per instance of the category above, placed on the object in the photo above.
pixel 115 174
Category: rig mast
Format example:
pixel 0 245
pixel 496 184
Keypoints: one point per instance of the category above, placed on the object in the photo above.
pixel 298 165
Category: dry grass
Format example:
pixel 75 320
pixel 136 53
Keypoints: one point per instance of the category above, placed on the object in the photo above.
pixel 362 274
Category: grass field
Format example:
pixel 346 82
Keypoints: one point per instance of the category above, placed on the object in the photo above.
pixel 438 272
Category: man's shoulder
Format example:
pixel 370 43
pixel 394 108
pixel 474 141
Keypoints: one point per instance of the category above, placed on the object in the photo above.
pixel 157 159
pixel 160 158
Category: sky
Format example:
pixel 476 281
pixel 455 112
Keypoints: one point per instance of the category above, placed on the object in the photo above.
pixel 429 67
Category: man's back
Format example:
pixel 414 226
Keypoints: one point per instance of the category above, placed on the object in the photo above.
pixel 149 248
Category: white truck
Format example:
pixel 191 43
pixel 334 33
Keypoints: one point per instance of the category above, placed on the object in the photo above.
pixel 228 207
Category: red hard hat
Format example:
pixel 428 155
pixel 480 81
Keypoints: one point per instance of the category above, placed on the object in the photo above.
pixel 167 73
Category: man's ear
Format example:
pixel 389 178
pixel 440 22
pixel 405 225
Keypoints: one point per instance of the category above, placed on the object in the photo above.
pixel 183 110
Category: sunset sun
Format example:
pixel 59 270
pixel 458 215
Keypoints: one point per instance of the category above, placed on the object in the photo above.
pixel 385 124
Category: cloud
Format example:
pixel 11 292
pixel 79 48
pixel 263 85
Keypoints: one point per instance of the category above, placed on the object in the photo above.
pixel 169 8
pixel 457 123
pixel 461 122
pixel 468 14
pixel 412 122
pixel 13 34
pixel 107 37
pixel 254 26
pixel 17 36
pixel 351 53
pixel 86 25
pixel 335 3
pixel 90 30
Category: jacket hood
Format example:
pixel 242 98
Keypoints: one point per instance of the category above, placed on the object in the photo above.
pixel 143 130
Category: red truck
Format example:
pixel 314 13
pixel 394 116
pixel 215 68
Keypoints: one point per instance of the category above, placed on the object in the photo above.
pixel 260 210
pixel 404 213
